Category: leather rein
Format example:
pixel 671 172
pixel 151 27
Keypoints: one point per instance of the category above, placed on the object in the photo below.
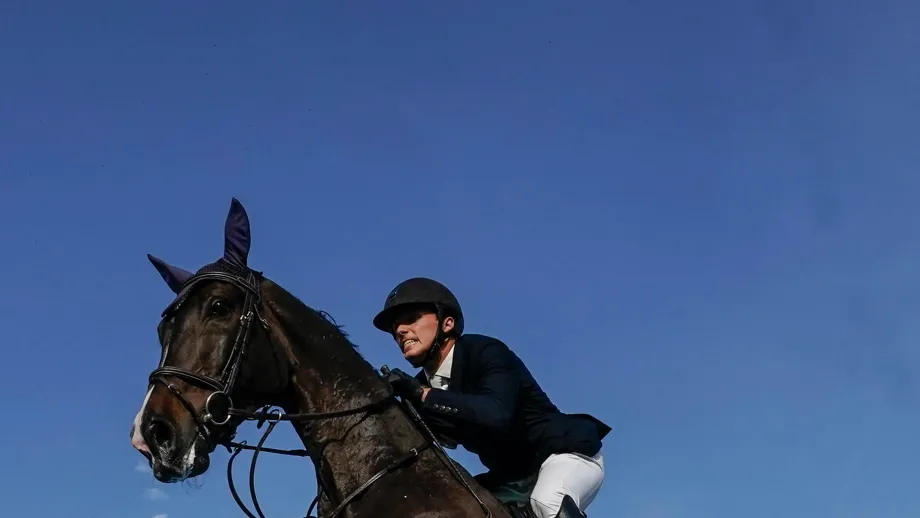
pixel 219 410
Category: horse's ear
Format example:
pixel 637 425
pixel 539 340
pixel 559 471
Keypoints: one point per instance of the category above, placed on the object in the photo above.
pixel 174 276
pixel 236 235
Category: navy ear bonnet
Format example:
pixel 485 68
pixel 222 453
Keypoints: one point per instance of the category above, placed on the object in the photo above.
pixel 237 241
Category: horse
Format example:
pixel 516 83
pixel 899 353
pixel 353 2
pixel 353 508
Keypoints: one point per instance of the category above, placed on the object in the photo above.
pixel 236 347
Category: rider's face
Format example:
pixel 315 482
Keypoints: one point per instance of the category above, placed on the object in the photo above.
pixel 415 332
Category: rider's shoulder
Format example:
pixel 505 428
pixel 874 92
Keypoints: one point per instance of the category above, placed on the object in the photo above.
pixel 484 346
pixel 480 341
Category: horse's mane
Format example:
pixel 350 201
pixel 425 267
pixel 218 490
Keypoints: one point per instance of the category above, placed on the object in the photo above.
pixel 314 324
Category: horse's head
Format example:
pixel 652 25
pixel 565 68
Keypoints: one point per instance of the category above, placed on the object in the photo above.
pixel 217 355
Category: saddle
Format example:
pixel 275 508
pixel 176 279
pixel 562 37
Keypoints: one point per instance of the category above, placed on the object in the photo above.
pixel 515 495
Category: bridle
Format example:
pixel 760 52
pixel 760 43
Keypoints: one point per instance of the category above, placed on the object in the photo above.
pixel 219 405
pixel 218 408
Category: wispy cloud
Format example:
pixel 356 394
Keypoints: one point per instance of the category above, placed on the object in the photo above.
pixel 160 515
pixel 155 494
pixel 142 467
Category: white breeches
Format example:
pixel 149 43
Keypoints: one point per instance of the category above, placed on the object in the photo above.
pixel 572 474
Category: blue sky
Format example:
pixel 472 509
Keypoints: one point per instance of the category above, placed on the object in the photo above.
pixel 697 221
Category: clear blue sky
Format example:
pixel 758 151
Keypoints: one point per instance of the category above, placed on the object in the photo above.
pixel 698 221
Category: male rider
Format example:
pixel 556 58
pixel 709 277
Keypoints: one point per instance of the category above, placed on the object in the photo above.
pixel 473 390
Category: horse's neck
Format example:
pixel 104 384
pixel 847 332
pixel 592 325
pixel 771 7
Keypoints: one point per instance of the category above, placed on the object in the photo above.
pixel 348 450
pixel 327 374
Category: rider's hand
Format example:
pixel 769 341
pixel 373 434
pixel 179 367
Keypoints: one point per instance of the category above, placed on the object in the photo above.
pixel 405 386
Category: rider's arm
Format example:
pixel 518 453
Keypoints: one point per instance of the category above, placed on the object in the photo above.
pixel 491 402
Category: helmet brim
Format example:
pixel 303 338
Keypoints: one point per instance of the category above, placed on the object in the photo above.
pixel 384 320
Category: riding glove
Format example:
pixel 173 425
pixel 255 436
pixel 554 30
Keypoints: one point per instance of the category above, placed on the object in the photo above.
pixel 405 386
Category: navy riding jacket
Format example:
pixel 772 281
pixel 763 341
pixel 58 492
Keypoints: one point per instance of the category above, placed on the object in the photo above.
pixel 495 408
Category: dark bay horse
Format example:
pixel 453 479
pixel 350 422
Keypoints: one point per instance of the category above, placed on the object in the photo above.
pixel 235 344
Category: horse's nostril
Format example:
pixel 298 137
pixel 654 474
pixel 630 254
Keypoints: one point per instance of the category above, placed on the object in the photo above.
pixel 160 432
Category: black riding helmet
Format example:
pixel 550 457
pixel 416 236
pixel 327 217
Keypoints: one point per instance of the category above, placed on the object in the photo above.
pixel 420 291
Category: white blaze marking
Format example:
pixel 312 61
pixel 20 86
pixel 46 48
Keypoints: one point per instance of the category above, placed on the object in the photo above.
pixel 137 439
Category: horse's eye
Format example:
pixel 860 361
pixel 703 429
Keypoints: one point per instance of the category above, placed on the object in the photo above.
pixel 220 308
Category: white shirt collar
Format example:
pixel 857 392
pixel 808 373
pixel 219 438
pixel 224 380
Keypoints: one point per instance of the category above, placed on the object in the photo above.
pixel 443 371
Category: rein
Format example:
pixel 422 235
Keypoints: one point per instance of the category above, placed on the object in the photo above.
pixel 218 408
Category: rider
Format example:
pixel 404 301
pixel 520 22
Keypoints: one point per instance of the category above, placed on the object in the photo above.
pixel 473 390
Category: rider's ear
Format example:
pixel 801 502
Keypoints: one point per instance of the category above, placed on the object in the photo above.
pixel 448 325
